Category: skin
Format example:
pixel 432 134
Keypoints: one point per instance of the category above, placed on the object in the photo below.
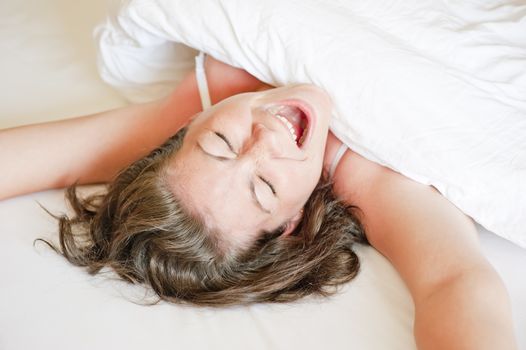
pixel 265 174
pixel 460 301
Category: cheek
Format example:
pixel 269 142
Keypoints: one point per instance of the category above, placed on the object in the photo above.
pixel 303 176
pixel 300 187
pixel 295 203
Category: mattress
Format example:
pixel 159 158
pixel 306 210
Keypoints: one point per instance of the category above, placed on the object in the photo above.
pixel 48 72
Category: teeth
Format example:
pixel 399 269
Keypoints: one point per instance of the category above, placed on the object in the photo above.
pixel 291 112
pixel 288 125
pixel 289 115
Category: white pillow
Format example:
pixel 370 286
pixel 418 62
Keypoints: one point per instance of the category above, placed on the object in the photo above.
pixel 435 90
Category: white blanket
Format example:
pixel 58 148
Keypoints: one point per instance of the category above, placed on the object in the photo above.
pixel 433 89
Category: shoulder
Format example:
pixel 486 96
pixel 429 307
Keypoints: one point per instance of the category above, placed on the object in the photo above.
pixel 407 221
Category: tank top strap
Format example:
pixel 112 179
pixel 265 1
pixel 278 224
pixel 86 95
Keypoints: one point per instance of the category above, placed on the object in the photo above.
pixel 337 157
pixel 202 84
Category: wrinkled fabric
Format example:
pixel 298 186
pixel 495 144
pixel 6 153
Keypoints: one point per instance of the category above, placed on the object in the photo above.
pixel 435 90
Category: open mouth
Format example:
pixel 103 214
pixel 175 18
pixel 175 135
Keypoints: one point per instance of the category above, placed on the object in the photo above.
pixel 295 119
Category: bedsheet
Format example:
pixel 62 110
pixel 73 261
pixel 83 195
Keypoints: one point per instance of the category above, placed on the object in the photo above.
pixel 48 72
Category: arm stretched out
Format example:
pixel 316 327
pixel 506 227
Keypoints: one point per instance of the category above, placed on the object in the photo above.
pixel 460 301
pixel 92 149
pixel 88 149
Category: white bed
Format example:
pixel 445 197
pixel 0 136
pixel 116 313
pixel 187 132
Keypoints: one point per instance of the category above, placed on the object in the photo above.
pixel 48 72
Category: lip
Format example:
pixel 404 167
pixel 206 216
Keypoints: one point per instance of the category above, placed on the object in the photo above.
pixel 307 110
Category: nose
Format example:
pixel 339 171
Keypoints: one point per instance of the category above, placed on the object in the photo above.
pixel 264 143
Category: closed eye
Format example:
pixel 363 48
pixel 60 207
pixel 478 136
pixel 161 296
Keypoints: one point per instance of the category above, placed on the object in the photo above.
pixel 268 184
pixel 224 138
pixel 216 145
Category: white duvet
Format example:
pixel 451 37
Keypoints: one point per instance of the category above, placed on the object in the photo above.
pixel 433 89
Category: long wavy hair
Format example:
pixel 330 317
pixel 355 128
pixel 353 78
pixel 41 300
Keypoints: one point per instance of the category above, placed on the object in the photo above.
pixel 140 229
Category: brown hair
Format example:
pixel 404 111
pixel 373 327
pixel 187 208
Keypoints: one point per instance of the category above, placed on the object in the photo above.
pixel 142 231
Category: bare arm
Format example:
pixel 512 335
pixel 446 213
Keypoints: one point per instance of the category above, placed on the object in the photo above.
pixel 92 149
pixel 87 149
pixel 460 301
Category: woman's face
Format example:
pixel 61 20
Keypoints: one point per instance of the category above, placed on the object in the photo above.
pixel 249 163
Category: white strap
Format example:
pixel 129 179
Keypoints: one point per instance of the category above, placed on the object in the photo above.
pixel 200 76
pixel 337 158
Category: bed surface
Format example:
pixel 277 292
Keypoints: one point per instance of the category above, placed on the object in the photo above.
pixel 48 72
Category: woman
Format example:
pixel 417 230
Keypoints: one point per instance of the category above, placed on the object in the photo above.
pixel 242 183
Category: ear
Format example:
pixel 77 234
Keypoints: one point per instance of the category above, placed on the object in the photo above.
pixel 291 225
